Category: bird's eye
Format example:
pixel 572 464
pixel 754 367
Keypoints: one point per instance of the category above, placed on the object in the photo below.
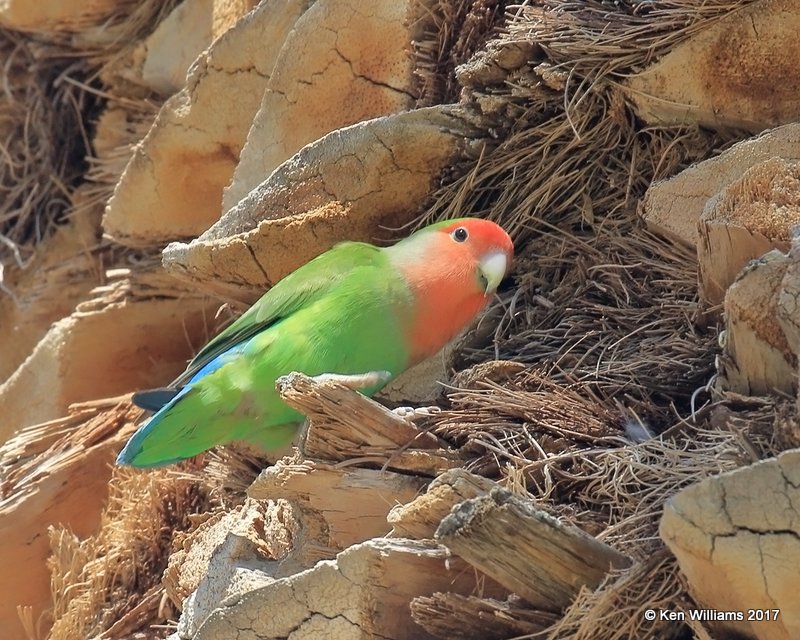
pixel 460 234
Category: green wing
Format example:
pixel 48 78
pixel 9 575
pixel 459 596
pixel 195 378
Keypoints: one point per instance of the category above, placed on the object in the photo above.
pixel 297 290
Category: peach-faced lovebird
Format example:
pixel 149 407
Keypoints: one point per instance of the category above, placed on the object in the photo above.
pixel 356 309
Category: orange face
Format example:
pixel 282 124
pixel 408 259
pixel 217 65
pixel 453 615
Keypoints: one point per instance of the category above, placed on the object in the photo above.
pixel 454 268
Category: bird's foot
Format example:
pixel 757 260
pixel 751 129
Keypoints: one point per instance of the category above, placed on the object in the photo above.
pixel 415 413
pixel 356 381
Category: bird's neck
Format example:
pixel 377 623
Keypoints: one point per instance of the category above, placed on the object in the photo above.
pixel 446 298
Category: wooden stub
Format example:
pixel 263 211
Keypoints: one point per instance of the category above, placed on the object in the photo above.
pixel 420 517
pixel 758 359
pixel 527 550
pixel 736 537
pixel 788 310
pixel 364 593
pixel 750 217
pixel 457 617
pixel 337 506
pixel 53 474
pixel 345 425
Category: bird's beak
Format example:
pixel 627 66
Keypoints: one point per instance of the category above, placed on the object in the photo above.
pixel 493 267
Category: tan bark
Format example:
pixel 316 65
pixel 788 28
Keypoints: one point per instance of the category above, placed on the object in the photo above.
pixel 527 550
pixel 53 474
pixel 421 517
pixel 133 334
pixel 343 62
pixel 230 554
pixel 181 37
pixel 758 359
pixel 674 206
pixel 720 76
pixel 352 184
pixel 364 593
pixel 62 272
pixel 737 540
pixel 345 425
pixel 336 507
pixel 750 217
pixel 172 186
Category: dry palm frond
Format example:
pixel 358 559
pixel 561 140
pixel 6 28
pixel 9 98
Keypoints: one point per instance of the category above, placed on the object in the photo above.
pixel 614 312
pixel 571 146
pixel 615 610
pixel 617 491
pixel 457 617
pixel 41 146
pixel 457 29
pixel 109 585
pixel 49 92
pixel 43 449
pixel 600 317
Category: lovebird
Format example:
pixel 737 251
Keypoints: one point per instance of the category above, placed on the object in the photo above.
pixel 356 309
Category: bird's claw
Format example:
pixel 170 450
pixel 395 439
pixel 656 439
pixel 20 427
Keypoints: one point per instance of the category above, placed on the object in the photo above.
pixel 415 413
pixel 356 381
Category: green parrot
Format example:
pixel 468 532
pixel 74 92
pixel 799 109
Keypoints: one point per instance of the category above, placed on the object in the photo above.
pixel 356 310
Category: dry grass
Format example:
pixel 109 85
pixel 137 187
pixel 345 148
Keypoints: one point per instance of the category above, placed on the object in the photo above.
pixel 42 144
pixel 604 313
pixel 570 147
pixel 615 309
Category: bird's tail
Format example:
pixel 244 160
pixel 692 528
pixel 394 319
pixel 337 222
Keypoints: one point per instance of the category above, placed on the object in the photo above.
pixel 187 426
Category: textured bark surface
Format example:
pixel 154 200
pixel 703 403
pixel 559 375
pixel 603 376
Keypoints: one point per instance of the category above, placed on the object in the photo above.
pixel 335 506
pixel 344 61
pixel 758 358
pixel 53 474
pixel 674 206
pixel 527 550
pixel 163 59
pixel 719 77
pixel 59 276
pixel 345 426
pixel 737 540
pixel 421 517
pixel 364 593
pixel 748 218
pixel 93 351
pixel 172 186
pixel 352 184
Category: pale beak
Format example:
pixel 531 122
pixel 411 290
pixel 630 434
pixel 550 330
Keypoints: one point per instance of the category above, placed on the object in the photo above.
pixel 493 267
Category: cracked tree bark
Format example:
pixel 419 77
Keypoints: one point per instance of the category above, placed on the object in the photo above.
pixel 702 80
pixel 344 62
pixel 347 185
pixel 421 517
pixel 334 507
pixel 172 186
pixel 363 593
pixel 737 539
